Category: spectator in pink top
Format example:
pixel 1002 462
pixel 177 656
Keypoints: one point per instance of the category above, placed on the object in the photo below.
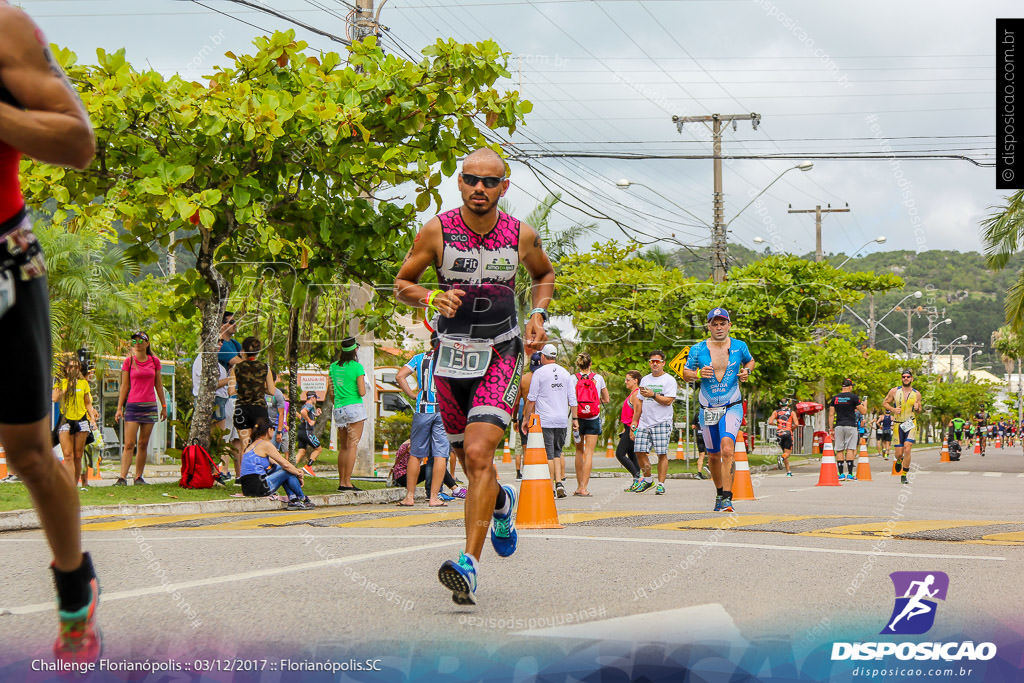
pixel 141 388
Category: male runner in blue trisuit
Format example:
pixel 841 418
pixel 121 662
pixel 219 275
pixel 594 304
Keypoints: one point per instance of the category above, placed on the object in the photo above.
pixel 720 363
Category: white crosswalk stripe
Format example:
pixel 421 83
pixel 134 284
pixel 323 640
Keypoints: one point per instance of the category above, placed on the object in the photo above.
pixel 991 474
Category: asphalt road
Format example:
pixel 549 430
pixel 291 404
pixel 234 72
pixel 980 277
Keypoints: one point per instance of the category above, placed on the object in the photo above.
pixel 802 563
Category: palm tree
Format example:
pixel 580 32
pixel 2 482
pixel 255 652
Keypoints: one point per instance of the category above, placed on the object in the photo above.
pixel 90 302
pixel 658 256
pixel 1004 237
pixel 557 244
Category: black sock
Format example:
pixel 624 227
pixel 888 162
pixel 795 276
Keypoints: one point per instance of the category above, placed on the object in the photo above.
pixel 849 467
pixel 727 494
pixel 499 502
pixel 73 591
pixel 720 492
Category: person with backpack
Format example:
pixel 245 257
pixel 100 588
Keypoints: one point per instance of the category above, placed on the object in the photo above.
pixel 591 393
pixel 140 385
pixel 956 434
pixel 265 470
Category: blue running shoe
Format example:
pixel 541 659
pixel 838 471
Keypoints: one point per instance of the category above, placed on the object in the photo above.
pixel 445 497
pixel 503 528
pixel 644 485
pixel 718 503
pixel 727 505
pixel 460 577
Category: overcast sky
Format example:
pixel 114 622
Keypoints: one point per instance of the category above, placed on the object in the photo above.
pixel 826 78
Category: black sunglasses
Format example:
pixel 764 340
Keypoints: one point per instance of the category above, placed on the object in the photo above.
pixel 489 181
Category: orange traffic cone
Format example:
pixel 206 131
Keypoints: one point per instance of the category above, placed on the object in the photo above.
pixel 386 454
pixel 863 465
pixel 742 486
pixel 829 475
pixel 94 472
pixel 609 452
pixel 977 447
pixel 536 509
pixel 507 455
pixel 999 441
pixel 944 455
pixel 680 452
pixel 3 463
pixel 894 472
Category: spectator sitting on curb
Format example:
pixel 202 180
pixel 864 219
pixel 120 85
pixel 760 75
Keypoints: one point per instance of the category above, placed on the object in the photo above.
pixel 397 476
pixel 262 478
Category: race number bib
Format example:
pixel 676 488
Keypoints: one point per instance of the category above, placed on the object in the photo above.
pixel 907 425
pixel 462 358
pixel 713 415
pixel 6 292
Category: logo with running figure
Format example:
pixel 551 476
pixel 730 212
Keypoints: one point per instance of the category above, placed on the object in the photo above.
pixel 916 595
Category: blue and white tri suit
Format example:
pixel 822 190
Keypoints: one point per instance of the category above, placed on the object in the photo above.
pixel 716 393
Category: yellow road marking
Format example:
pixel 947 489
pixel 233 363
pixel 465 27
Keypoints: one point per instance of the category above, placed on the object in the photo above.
pixel 400 521
pixel 728 521
pixel 283 518
pixel 136 522
pixel 877 529
pixel 1006 538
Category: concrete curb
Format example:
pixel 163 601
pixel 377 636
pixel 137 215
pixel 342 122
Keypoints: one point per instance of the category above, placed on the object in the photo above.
pixel 24 520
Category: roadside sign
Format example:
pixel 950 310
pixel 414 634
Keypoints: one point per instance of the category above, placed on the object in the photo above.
pixel 679 362
pixel 312 380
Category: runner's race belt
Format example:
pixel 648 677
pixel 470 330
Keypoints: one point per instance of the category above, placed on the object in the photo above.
pixel 907 425
pixel 462 357
pixel 713 415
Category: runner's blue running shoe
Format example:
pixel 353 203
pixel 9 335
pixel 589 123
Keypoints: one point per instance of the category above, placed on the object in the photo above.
pixel 718 503
pixel 460 577
pixel 503 529
pixel 445 497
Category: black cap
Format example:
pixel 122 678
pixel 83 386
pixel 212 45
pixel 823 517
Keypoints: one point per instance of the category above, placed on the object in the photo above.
pixel 310 394
pixel 847 382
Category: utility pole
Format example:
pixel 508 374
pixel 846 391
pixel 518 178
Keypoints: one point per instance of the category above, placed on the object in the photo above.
pixel 719 245
pixel 819 395
pixel 871 320
pixel 363 24
pixel 817 211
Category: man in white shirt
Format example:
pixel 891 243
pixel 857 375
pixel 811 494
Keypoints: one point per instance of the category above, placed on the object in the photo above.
pixel 653 422
pixel 551 395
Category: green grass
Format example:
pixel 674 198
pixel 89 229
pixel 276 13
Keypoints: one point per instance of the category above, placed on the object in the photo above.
pixel 15 496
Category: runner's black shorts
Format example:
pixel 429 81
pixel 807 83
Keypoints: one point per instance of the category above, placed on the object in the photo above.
pixel 786 441
pixel 26 345
pixel 245 415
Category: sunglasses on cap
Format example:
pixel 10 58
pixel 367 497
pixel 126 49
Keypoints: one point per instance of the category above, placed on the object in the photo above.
pixel 489 181
pixel 905 376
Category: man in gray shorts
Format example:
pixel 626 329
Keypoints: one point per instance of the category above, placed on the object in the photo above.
pixel 842 412
pixel 552 396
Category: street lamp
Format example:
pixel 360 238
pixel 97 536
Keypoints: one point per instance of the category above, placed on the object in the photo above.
pixel 927 334
pixel 802 166
pixel 626 183
pixel 873 324
pixel 880 240
pixel 950 346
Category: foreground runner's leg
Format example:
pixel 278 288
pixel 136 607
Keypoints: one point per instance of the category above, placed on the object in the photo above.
pixel 485 500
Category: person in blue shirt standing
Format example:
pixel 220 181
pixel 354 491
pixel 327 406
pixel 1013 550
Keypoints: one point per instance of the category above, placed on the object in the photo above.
pixel 720 363
pixel 428 438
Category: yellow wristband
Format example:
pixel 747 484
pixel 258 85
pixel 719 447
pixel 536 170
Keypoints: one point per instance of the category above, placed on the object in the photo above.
pixel 431 297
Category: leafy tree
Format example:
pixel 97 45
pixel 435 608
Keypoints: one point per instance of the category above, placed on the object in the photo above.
pixel 1004 237
pixel 91 304
pixel 275 167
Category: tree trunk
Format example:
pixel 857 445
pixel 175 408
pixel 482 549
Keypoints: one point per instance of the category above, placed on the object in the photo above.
pixel 293 371
pixel 212 309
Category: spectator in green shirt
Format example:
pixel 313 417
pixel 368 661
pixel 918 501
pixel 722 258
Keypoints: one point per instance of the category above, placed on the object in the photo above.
pixel 347 387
